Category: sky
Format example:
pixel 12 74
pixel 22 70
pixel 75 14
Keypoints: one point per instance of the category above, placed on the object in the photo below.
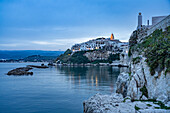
pixel 58 24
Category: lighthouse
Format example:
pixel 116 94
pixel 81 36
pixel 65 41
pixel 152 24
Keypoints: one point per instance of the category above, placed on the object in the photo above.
pixel 139 21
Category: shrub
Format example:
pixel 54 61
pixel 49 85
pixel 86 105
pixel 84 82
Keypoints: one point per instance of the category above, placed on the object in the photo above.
pixel 137 108
pixel 144 91
pixel 129 52
pixel 156 49
pixel 136 60
pixel 113 57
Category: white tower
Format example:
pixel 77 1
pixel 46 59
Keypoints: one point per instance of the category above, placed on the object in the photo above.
pixel 139 21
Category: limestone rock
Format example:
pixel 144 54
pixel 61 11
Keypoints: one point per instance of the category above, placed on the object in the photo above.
pixel 122 83
pixel 157 86
pixel 115 104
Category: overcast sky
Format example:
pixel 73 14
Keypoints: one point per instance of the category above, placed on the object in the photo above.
pixel 58 24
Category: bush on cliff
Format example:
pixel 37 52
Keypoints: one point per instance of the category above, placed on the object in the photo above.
pixel 157 50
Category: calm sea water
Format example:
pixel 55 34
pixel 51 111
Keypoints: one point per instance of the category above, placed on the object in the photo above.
pixel 53 90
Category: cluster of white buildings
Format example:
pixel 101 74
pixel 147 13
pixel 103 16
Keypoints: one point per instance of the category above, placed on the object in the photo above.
pixel 109 44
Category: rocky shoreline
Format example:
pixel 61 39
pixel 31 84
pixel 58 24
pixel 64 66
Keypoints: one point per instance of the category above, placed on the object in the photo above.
pixel 115 103
pixel 90 64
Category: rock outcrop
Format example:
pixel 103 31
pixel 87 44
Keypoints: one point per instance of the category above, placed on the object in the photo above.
pixel 20 71
pixel 151 86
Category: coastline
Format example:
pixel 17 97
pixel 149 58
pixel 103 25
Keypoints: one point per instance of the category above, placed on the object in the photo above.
pixel 90 64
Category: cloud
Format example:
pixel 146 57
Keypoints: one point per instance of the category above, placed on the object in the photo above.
pixel 12 45
pixel 46 43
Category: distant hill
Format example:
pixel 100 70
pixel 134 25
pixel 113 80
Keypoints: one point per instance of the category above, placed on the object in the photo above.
pixel 20 54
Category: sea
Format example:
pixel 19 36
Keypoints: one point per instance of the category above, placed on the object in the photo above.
pixel 57 89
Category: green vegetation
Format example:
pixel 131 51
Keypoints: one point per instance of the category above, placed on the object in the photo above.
pixel 137 108
pixel 125 99
pixel 149 100
pixel 65 57
pixel 162 106
pixel 144 91
pixel 130 76
pixel 149 105
pixel 39 58
pixel 129 53
pixel 78 57
pixel 99 61
pixel 157 50
pixel 113 57
pixel 136 60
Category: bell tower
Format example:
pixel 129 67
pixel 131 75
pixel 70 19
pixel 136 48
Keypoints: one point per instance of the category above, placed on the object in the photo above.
pixel 112 37
pixel 139 21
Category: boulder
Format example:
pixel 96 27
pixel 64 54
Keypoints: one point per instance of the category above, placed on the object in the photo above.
pixel 122 83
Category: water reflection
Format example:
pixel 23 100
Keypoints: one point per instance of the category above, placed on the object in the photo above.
pixel 99 78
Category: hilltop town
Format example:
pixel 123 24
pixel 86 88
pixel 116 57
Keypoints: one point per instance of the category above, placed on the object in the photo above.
pixel 101 51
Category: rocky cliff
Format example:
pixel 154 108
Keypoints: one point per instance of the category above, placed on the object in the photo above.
pixel 147 84
pixel 149 68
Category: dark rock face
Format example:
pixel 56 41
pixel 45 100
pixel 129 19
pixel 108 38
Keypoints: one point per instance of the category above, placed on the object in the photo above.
pixel 133 38
pixel 20 71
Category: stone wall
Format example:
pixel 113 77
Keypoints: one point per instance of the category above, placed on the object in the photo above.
pixel 161 25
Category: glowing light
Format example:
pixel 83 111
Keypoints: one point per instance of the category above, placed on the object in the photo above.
pixel 96 81
pixel 111 37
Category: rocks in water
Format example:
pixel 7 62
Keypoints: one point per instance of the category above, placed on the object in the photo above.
pixel 42 66
pixel 115 103
pixel 20 71
pixel 25 70
pixel 51 64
